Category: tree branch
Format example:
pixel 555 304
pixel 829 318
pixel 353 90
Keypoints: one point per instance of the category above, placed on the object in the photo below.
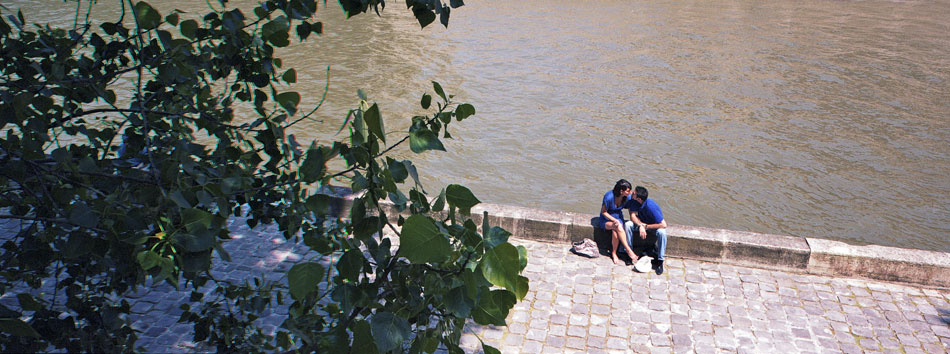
pixel 50 220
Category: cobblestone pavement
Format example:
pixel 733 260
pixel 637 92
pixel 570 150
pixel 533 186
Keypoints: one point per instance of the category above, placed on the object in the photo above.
pixel 591 305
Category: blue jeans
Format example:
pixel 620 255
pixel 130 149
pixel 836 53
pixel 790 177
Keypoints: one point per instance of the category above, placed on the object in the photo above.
pixel 633 231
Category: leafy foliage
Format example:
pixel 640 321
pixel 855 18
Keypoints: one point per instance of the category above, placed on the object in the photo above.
pixel 122 159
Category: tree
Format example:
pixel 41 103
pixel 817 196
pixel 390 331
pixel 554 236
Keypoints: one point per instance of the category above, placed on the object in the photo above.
pixel 122 160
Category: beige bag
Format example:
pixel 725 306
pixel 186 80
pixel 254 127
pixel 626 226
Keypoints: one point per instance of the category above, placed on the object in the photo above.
pixel 586 248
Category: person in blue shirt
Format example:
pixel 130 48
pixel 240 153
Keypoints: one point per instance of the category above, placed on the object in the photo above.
pixel 611 216
pixel 646 218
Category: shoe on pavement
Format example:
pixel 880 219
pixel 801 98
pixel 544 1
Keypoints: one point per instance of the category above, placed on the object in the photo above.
pixel 658 265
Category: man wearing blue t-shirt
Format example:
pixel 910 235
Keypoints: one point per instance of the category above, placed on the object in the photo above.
pixel 646 218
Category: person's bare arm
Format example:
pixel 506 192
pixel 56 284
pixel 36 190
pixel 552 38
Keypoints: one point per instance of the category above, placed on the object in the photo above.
pixel 659 225
pixel 640 225
pixel 603 211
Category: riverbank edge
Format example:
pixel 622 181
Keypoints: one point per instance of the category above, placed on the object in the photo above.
pixel 769 251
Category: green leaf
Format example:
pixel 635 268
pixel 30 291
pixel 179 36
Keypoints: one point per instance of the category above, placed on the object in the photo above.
pixel 168 268
pixel 188 28
pixel 397 169
pixel 375 122
pixel 398 198
pixel 350 265
pixel 423 15
pixel 501 265
pixel 303 30
pixel 222 252
pixel 474 281
pixel 28 303
pixel 198 241
pixel 195 261
pixel 196 219
pixel 424 139
pixel 147 16
pixel 358 210
pixel 275 32
pixel 463 111
pixel 313 166
pixel 260 12
pixel 469 235
pixel 79 245
pixel 172 18
pixel 444 16
pixel 458 304
pixel 496 236
pixel 289 101
pixel 302 279
pixel 426 101
pixel 179 199
pixel 362 338
pixel 389 330
pixel 82 215
pixel 493 308
pixel 523 256
pixel 487 349
pixel 17 327
pixel 461 197
pixel 319 204
pixel 439 203
pixel 148 259
pixel 290 76
pixel 347 296
pixel 413 173
pixel 446 118
pixel 422 242
pixel 4 28
pixel 438 90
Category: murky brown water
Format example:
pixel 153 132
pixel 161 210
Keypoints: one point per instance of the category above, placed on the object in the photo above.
pixel 828 119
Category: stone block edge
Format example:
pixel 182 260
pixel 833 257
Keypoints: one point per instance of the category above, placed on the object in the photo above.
pixel 769 251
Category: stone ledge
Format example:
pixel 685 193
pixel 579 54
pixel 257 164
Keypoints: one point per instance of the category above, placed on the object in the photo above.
pixel 738 247
pixel 780 252
pixel 829 257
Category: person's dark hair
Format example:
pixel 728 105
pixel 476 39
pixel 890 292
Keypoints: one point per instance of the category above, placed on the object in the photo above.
pixel 641 193
pixel 621 186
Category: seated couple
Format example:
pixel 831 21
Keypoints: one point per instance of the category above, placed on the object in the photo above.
pixel 646 219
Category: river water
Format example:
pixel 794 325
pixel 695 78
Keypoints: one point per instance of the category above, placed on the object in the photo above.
pixel 826 119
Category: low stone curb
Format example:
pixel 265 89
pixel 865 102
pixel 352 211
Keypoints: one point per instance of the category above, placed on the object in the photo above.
pixel 779 252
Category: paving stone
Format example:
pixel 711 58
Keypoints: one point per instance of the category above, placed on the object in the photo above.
pixel 660 340
pixel 514 340
pixel 596 342
pixel 536 334
pixel 866 332
pixel 941 330
pixel 888 343
pixel 934 348
pixel 851 349
pixel 531 347
pixel 908 340
pixel 869 344
pixel 696 307
pixel 927 338
pixel 579 320
pixel 538 323
pixel 517 328
pixel 554 342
